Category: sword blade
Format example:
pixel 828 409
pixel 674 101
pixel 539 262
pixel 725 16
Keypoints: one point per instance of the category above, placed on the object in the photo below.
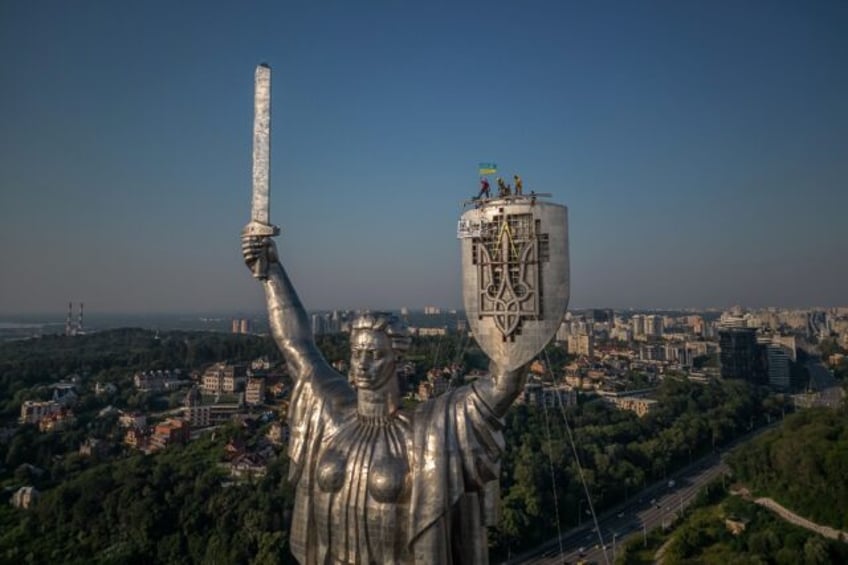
pixel 261 205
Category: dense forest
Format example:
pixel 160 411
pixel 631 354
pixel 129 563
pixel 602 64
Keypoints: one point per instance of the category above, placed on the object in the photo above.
pixel 172 507
pixel 178 506
pixel 803 465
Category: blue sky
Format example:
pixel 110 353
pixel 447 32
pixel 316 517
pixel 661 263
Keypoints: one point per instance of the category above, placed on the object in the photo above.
pixel 701 147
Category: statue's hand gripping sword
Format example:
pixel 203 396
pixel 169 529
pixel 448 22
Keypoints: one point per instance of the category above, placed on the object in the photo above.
pixel 260 213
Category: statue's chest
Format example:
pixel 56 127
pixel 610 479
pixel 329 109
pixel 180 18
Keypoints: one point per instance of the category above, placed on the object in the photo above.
pixel 366 463
pixel 362 491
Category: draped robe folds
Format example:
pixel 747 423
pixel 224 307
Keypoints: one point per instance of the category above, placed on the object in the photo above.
pixel 453 445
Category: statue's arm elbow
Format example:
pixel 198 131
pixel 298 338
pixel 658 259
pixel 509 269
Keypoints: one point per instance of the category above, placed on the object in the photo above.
pixel 288 321
pixel 505 387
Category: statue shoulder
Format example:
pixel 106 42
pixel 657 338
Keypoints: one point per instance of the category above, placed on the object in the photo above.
pixel 321 382
pixel 331 382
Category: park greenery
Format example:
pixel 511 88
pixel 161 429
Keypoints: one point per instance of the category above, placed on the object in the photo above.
pixel 178 506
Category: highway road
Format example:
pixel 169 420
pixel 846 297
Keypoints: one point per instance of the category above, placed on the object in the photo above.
pixel 657 506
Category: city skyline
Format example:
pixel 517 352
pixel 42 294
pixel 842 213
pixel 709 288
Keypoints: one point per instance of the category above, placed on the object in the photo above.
pixel 699 148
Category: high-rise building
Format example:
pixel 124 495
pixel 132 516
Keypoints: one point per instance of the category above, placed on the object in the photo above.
pixel 653 326
pixel 817 324
pixel 637 323
pixel 697 324
pixel 241 326
pixel 335 322
pixel 602 315
pixel 327 323
pixel 564 331
pixel 741 356
pixel 651 352
pixel 621 333
pixel 777 359
pixel 317 324
pixel 788 344
pixel 581 327
pixel 581 344
pixel 678 353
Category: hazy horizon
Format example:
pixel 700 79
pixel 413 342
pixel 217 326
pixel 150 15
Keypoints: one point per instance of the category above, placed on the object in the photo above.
pixel 59 317
pixel 700 148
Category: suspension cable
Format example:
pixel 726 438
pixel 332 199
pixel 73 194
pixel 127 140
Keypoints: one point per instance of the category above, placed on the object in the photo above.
pixel 553 475
pixel 579 466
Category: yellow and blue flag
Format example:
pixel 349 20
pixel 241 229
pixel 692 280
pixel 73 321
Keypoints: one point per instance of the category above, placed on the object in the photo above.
pixel 488 168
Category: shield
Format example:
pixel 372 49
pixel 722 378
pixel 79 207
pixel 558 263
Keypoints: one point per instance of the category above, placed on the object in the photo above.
pixel 515 275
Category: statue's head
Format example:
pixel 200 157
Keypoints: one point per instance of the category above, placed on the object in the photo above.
pixel 377 340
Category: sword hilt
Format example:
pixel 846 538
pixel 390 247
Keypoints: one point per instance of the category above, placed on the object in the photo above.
pixel 258 229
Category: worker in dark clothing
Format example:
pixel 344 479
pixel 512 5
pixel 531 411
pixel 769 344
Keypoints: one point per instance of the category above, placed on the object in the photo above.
pixel 484 188
pixel 503 189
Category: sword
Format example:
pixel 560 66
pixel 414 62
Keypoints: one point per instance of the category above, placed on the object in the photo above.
pixel 260 212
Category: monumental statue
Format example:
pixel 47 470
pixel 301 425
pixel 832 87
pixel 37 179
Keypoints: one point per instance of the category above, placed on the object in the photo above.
pixel 379 483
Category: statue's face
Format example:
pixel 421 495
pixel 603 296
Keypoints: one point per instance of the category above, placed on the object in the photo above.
pixel 372 360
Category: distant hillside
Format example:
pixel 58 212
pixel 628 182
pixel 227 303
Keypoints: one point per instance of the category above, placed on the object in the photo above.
pixel 127 346
pixel 27 363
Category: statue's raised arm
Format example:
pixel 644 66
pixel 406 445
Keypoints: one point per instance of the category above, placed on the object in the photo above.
pixel 286 315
